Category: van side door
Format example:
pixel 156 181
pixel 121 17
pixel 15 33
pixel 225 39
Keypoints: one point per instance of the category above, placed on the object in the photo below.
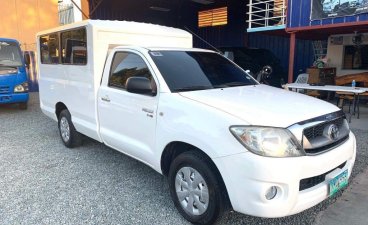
pixel 127 120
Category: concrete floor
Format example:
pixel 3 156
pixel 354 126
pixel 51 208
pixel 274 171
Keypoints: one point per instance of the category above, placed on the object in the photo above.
pixel 352 207
pixel 362 122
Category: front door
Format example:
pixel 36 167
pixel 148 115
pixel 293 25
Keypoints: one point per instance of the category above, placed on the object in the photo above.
pixel 127 120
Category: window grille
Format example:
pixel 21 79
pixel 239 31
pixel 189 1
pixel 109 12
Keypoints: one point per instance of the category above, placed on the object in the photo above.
pixel 266 14
pixel 213 17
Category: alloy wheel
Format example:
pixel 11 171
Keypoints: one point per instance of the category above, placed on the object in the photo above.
pixel 192 191
pixel 64 129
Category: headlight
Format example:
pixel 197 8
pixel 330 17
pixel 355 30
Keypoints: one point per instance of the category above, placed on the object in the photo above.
pixel 268 141
pixel 23 87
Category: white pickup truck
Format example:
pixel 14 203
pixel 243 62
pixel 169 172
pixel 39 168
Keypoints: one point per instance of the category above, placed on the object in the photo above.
pixel 224 141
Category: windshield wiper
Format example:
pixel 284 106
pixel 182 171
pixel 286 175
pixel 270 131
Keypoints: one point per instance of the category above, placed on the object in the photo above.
pixel 233 84
pixel 193 88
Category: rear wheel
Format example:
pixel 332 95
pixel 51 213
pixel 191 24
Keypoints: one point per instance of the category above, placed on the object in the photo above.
pixel 195 189
pixel 23 105
pixel 69 135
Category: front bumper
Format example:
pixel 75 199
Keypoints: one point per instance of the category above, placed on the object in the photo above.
pixel 13 98
pixel 248 177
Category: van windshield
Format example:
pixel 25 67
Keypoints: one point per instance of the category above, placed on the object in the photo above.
pixel 190 71
pixel 9 54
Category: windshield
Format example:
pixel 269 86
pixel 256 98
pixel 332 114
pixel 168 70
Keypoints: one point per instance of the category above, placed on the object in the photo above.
pixel 189 71
pixel 9 54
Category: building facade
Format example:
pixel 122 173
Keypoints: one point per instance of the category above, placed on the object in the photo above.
pixel 298 32
pixel 343 24
pixel 22 19
pixel 185 14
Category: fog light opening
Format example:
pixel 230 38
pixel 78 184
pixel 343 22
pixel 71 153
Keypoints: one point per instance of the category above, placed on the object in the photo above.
pixel 271 193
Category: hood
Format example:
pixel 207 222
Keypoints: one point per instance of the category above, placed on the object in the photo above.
pixel 9 76
pixel 263 105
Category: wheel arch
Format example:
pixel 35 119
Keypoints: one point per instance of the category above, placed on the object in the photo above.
pixel 175 148
pixel 59 107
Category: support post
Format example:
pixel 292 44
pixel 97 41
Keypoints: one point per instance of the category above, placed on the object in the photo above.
pixel 250 14
pixel 83 13
pixel 85 9
pixel 291 57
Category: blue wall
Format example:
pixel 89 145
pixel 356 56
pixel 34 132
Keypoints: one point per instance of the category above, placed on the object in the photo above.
pixel 280 47
pixel 234 33
pixel 300 11
pixel 182 14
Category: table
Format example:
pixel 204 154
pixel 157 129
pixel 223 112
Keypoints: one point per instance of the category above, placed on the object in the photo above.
pixel 354 90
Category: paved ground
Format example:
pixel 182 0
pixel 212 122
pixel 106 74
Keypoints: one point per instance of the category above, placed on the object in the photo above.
pixel 351 208
pixel 362 122
pixel 42 182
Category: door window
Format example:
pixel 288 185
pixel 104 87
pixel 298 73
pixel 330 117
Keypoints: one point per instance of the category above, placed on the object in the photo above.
pixel 74 47
pixel 126 65
pixel 49 49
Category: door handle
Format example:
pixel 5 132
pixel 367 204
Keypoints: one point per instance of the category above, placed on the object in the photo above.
pixel 147 110
pixel 106 99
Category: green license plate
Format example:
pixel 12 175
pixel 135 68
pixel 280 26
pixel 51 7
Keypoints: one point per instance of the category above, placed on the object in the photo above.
pixel 338 182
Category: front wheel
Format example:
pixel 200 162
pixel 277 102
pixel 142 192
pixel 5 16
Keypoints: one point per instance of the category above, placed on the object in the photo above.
pixel 69 135
pixel 195 189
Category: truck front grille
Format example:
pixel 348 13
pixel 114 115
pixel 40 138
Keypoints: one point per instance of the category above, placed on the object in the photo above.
pixel 325 135
pixel 316 131
pixel 313 181
pixel 4 89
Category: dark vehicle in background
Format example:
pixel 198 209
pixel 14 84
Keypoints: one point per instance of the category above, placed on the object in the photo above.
pixel 255 60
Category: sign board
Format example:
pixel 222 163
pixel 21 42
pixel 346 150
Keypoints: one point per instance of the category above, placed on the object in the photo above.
pixel 322 9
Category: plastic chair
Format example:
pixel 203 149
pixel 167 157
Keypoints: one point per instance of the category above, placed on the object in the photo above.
pixel 301 79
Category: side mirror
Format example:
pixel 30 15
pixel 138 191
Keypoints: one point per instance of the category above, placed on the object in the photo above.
pixel 27 60
pixel 139 85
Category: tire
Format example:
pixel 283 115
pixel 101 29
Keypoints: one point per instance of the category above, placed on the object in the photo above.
pixel 197 209
pixel 23 106
pixel 69 135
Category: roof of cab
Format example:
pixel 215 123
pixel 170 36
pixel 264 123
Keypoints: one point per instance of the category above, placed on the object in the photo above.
pixel 156 49
pixel 9 40
pixel 122 26
pixel 178 49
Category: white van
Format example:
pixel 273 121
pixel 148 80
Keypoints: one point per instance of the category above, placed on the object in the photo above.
pixel 224 140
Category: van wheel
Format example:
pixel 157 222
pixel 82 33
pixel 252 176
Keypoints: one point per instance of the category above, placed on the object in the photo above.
pixel 195 189
pixel 69 135
pixel 23 105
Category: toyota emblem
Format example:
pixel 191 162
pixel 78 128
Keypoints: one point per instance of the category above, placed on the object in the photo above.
pixel 333 132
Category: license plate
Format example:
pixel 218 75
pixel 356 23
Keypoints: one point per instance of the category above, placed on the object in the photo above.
pixel 338 182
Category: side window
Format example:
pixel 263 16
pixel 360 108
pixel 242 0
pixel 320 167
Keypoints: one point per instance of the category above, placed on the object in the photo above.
pixel 125 65
pixel 74 47
pixel 49 48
